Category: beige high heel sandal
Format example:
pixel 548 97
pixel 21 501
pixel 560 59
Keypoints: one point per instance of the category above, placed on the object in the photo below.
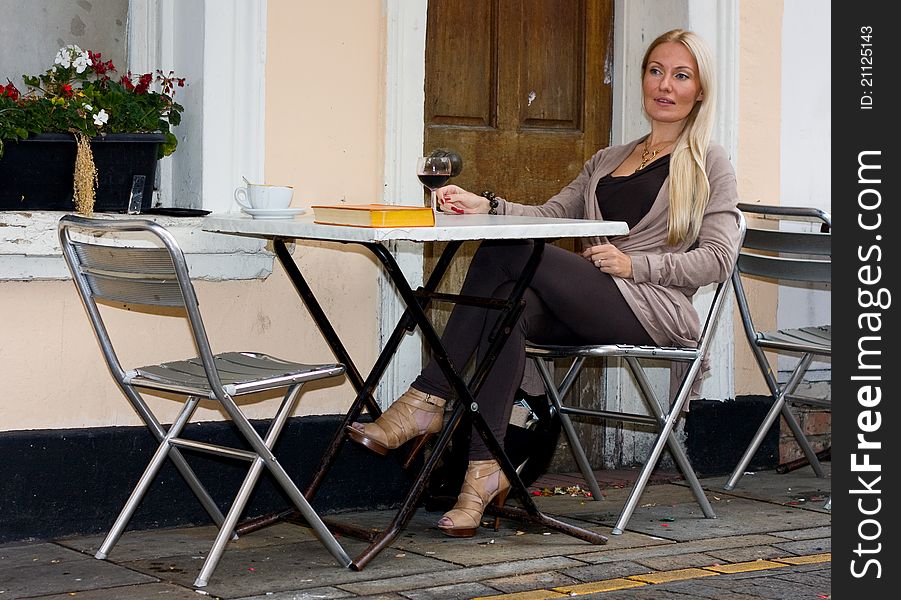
pixel 484 482
pixel 415 415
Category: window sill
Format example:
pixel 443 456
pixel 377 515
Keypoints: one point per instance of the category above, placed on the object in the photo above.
pixel 30 251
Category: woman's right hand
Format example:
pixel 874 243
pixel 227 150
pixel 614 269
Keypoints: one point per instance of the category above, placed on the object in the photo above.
pixel 454 199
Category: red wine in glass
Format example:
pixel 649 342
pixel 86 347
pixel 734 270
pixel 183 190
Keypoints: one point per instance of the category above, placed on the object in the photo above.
pixel 433 182
pixel 433 172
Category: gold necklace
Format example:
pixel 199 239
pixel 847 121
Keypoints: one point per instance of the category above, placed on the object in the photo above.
pixel 648 155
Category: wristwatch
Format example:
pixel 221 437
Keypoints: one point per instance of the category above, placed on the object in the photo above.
pixel 492 201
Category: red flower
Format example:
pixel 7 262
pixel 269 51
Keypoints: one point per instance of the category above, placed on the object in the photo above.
pixel 66 90
pixel 9 90
pixel 144 82
pixel 126 82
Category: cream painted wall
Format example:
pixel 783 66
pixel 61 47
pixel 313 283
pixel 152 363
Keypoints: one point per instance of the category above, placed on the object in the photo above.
pixel 324 99
pixel 55 378
pixel 758 161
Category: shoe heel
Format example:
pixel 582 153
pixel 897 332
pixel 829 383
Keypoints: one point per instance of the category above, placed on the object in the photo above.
pixel 499 503
pixel 417 446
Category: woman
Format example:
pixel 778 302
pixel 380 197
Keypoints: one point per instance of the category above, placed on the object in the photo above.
pixel 677 192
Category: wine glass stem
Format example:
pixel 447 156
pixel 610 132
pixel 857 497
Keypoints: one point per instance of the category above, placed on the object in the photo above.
pixel 434 197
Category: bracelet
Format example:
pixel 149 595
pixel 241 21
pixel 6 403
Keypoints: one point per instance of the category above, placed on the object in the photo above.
pixel 492 201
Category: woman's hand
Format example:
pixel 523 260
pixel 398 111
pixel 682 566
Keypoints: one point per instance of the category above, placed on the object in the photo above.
pixel 609 259
pixel 456 200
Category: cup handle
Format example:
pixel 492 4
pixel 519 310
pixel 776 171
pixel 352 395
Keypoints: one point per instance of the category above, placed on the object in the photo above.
pixel 241 197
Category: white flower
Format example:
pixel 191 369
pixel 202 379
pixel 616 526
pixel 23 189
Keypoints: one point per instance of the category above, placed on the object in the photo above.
pixel 88 108
pixel 101 118
pixel 81 63
pixel 72 55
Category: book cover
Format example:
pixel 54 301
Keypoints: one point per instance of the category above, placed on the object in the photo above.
pixel 373 215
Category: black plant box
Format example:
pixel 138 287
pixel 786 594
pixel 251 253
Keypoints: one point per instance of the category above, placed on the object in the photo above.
pixel 36 174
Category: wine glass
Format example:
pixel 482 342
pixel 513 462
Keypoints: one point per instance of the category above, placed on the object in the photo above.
pixel 433 172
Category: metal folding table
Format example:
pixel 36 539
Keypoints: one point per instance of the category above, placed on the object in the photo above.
pixel 455 230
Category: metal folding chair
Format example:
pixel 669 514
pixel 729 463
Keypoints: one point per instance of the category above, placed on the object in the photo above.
pixel 137 264
pixel 659 416
pixel 784 257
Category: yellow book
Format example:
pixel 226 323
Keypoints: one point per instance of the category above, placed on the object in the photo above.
pixel 373 215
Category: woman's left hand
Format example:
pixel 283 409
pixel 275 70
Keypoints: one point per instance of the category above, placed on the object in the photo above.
pixel 609 259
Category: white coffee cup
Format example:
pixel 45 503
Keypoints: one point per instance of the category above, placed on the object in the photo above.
pixel 263 196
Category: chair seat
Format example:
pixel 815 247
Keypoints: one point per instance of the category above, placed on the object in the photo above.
pixel 240 373
pixel 817 340
pixel 601 350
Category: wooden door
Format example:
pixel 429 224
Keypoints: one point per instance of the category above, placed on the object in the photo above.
pixel 521 89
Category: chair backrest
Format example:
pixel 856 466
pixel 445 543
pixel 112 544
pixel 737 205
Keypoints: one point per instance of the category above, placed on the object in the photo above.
pixel 803 256
pixel 782 255
pixel 135 262
pixel 719 295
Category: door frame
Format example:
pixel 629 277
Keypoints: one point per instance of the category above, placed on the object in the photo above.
pixel 634 21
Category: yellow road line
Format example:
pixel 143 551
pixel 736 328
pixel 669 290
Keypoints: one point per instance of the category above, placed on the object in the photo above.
pixel 607 585
pixel 744 567
pixel 658 577
pixel 806 560
pixel 674 575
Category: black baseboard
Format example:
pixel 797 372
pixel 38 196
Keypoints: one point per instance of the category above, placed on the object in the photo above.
pixel 717 433
pixel 57 483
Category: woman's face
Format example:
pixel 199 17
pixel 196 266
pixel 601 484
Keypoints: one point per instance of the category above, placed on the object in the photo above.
pixel 671 84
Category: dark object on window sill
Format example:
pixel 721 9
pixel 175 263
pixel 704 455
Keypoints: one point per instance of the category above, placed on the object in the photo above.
pixel 36 174
pixel 171 211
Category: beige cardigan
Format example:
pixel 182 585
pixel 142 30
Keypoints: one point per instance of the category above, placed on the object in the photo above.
pixel 664 277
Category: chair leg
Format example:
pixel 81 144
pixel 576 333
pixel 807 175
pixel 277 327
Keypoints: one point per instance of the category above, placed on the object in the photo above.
pixel 778 407
pixel 177 457
pixel 645 475
pixel 247 486
pixel 675 448
pixel 556 395
pixel 285 482
pixel 146 479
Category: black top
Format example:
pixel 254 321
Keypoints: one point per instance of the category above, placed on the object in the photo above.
pixel 629 197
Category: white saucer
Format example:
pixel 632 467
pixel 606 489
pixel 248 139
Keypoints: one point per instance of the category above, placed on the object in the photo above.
pixel 273 213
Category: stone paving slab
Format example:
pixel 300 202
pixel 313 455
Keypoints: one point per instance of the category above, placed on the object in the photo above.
pixel 807 546
pixel 44 569
pixel 145 545
pixel 148 591
pixel 609 570
pixel 735 516
pixel 704 545
pixel 460 591
pixel 320 593
pixel 746 553
pixel 515 540
pixel 531 581
pixel 805 534
pixel 465 574
pixel 679 561
pixel 282 567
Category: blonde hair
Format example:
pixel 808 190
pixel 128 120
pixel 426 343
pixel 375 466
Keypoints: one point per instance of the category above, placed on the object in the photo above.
pixel 689 186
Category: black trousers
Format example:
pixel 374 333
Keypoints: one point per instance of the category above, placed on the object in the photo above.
pixel 569 301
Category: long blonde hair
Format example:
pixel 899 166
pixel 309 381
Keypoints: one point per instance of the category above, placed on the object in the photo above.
pixel 689 186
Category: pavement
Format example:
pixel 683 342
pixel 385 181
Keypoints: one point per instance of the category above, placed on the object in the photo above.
pixel 771 539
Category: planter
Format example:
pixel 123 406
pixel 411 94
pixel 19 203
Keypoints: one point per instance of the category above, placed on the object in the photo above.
pixel 36 174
